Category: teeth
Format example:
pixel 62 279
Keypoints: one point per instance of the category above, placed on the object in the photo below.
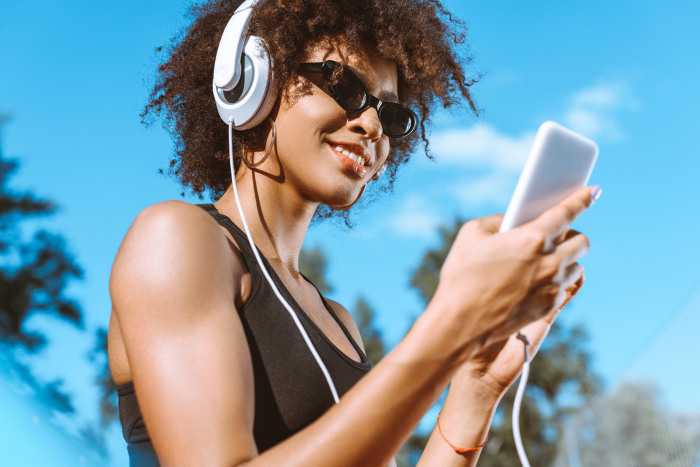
pixel 354 157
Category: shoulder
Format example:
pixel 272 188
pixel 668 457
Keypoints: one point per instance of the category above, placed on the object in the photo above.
pixel 173 245
pixel 176 218
pixel 348 321
pixel 173 293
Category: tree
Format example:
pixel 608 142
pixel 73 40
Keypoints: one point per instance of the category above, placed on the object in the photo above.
pixel 33 275
pixel 371 337
pixel 560 379
pixel 313 264
pixel 630 427
pixel 108 390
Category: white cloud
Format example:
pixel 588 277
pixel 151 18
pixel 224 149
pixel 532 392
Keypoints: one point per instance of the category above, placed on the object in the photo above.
pixel 593 111
pixel 482 145
pixel 494 187
pixel 602 95
pixel 415 217
pixel 497 155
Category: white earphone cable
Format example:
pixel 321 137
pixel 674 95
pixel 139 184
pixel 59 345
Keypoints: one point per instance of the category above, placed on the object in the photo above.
pixel 294 316
pixel 519 400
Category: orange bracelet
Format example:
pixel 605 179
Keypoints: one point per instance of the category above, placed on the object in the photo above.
pixel 459 450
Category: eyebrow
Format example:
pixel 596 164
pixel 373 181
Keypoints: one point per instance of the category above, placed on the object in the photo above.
pixel 386 96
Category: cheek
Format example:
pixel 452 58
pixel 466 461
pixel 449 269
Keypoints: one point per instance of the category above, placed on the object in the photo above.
pixel 383 149
pixel 312 113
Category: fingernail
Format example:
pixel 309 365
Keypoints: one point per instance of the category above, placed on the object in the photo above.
pixel 596 191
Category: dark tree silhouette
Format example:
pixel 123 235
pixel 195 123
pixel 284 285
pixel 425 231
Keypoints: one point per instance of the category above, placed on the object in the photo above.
pixel 312 264
pixel 560 380
pixel 371 337
pixel 108 390
pixel 33 276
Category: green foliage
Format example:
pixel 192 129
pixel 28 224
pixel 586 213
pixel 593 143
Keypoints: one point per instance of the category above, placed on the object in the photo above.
pixel 313 263
pixel 631 428
pixel 36 284
pixel 426 277
pixel 560 381
pixel 108 390
pixel 34 274
pixel 33 277
pixel 412 449
pixel 371 337
pixel 49 394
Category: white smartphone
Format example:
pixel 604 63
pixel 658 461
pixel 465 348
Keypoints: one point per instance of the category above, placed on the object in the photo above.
pixel 560 162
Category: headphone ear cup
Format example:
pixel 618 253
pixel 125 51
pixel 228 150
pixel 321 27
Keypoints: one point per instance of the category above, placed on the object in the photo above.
pixel 250 101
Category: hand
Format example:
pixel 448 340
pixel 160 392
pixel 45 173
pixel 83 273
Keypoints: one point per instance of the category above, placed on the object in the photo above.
pixel 493 284
pixel 497 366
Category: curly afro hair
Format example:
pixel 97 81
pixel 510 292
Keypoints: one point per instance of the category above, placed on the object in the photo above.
pixel 420 36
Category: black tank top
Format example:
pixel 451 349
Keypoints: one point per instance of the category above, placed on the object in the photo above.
pixel 290 390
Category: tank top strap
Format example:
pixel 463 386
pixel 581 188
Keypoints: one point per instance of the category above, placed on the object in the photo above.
pixel 241 240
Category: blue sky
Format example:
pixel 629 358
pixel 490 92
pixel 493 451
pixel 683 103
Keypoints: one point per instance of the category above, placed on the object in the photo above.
pixel 75 76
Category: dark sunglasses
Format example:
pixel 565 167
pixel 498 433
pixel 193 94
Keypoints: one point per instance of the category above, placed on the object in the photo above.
pixel 398 121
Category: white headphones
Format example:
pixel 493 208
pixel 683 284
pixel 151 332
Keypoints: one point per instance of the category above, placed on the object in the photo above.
pixel 245 91
pixel 244 86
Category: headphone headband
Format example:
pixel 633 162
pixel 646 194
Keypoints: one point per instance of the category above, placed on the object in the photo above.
pixel 243 85
pixel 227 71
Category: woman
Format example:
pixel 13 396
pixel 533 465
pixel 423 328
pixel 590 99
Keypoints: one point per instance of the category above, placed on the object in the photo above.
pixel 211 370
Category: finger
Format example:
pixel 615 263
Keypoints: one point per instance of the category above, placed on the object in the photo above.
pixel 553 315
pixel 575 279
pixel 537 330
pixel 556 220
pixel 570 233
pixel 573 289
pixel 572 249
pixel 553 268
pixel 571 276
pixel 492 223
pixel 536 333
pixel 552 294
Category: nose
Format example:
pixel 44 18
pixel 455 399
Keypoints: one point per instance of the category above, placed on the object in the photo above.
pixel 366 123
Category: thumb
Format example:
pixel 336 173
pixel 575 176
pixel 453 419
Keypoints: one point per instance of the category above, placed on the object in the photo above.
pixel 492 223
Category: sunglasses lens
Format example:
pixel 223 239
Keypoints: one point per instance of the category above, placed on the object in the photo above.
pixel 397 121
pixel 348 92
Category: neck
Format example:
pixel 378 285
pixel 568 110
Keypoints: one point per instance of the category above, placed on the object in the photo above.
pixel 278 217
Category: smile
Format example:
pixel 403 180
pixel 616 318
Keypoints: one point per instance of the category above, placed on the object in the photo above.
pixel 350 159
pixel 355 158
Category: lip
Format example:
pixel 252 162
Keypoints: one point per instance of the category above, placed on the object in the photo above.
pixel 355 168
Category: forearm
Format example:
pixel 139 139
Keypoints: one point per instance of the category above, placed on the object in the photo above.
pixel 375 417
pixel 465 421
